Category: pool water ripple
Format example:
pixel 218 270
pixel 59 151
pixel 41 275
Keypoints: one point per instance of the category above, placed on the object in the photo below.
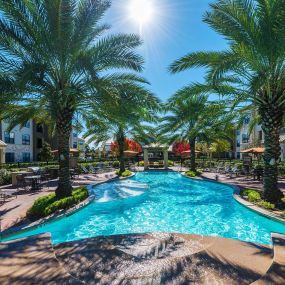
pixel 162 202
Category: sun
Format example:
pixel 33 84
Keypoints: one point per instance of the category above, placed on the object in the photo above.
pixel 141 11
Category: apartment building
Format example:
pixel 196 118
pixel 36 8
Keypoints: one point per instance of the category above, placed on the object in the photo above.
pixel 246 139
pixel 25 144
pixel 18 141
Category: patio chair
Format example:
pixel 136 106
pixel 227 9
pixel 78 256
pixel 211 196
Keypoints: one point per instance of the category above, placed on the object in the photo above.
pixel 21 182
pixel 45 177
pixel 4 196
pixel 94 170
pixel 227 170
pixel 220 167
pixel 84 169
pixel 132 167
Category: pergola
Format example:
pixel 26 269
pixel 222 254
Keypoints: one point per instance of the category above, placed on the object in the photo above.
pixel 2 153
pixel 154 147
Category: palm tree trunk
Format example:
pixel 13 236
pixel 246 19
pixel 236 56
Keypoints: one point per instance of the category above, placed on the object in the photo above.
pixel 271 125
pixel 192 143
pixel 121 145
pixel 63 129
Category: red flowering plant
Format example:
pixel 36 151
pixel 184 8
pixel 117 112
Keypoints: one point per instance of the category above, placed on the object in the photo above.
pixel 179 147
pixel 129 145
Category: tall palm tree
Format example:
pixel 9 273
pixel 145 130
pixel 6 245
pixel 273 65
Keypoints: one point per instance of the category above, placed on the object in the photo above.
pixel 255 31
pixel 126 117
pixel 193 117
pixel 60 62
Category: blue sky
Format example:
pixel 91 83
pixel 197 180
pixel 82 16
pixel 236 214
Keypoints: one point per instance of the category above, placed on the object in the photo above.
pixel 176 28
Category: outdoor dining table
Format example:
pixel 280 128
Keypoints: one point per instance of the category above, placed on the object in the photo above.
pixel 34 181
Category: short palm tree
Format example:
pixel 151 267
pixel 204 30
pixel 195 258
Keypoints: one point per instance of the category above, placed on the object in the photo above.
pixel 60 62
pixel 126 117
pixel 252 66
pixel 192 118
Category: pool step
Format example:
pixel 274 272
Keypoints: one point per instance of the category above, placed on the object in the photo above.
pixel 276 273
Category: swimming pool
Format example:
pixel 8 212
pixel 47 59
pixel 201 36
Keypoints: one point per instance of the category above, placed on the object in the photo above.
pixel 162 202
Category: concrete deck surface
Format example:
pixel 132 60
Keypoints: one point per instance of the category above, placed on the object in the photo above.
pixel 142 259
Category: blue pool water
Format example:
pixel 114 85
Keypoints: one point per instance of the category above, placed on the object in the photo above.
pixel 162 202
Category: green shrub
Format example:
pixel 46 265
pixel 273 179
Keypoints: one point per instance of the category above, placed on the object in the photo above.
pixel 246 191
pixel 253 196
pixel 47 205
pixel 5 177
pixel 116 163
pixel 191 173
pixel 126 173
pixel 170 163
pixel 266 205
pixel 141 163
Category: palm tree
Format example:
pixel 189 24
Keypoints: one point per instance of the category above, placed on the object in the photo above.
pixel 252 66
pixel 60 62
pixel 133 107
pixel 192 118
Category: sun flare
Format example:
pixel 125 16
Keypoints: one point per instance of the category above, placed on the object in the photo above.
pixel 141 11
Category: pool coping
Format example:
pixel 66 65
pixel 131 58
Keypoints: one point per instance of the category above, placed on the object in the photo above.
pixel 60 214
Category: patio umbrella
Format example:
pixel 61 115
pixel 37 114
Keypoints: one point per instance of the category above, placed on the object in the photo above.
pixel 254 150
pixel 72 150
pixel 130 153
pixel 186 152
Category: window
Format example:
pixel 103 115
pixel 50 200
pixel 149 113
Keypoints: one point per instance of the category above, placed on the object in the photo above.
pixel 75 135
pixel 238 155
pixel 238 132
pixel 26 139
pixel 245 138
pixel 28 124
pixel 9 137
pixel 39 128
pixel 260 135
pixel 75 145
pixel 39 143
pixel 238 143
pixel 10 157
pixel 26 156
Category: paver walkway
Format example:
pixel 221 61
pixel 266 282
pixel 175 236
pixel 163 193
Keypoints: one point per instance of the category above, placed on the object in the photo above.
pixel 14 211
pixel 240 181
pixel 31 261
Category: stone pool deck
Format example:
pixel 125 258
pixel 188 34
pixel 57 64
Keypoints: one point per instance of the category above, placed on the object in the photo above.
pixel 141 259
pixel 14 210
pixel 240 181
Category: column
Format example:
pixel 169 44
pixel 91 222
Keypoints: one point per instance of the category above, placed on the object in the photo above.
pixel 145 157
pixel 2 156
pixel 165 155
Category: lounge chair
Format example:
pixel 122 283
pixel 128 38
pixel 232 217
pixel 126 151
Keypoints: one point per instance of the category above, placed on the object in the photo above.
pixel 84 169
pixel 220 167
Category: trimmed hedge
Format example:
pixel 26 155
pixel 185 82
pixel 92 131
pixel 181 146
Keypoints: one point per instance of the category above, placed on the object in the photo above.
pixel 191 173
pixel 47 205
pixel 126 173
